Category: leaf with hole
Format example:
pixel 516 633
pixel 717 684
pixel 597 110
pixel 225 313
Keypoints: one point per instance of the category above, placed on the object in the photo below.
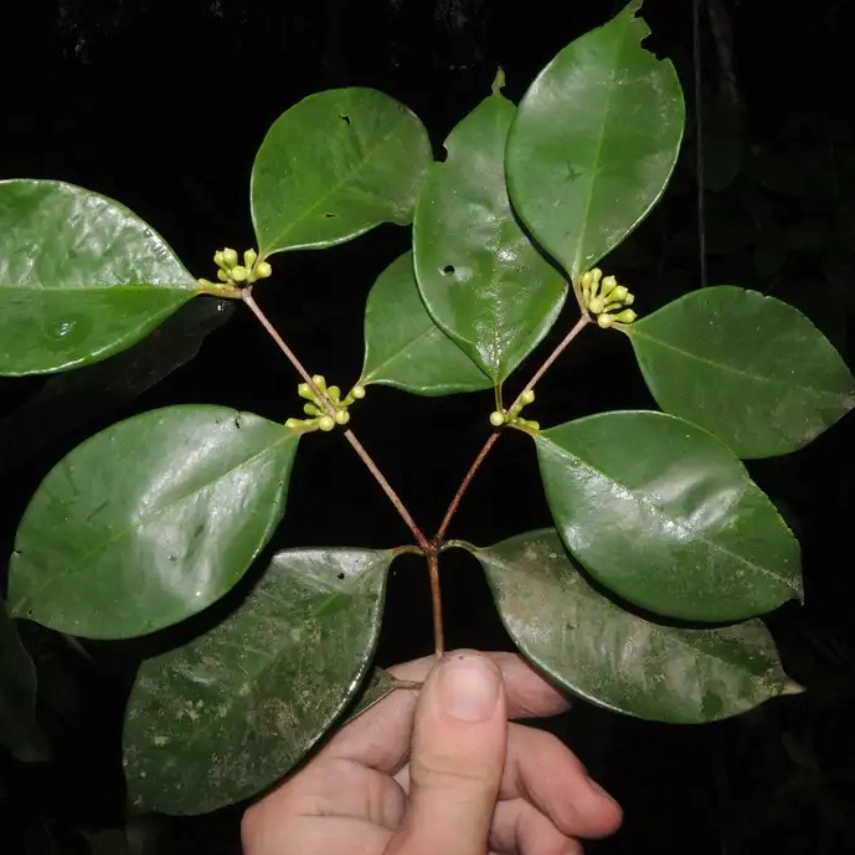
pixel 20 733
pixel 404 348
pixel 482 279
pixel 663 514
pixel 616 659
pixel 335 165
pixel 150 521
pixel 594 142
pixel 228 714
pixel 749 368
pixel 81 277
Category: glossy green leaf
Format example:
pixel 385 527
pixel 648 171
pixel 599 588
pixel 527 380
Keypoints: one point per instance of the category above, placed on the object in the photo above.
pixel 69 401
pixel 19 730
pixel 335 165
pixel 405 348
pixel 594 142
pixel 81 277
pixel 150 521
pixel 225 716
pixel 616 659
pixel 378 686
pixel 481 278
pixel 663 514
pixel 751 369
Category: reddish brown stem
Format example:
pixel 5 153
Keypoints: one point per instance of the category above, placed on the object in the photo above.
pixel 491 440
pixel 358 447
pixel 422 541
pixel 464 486
pixel 562 346
pixel 436 602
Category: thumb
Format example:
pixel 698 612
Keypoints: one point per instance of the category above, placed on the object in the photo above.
pixel 458 754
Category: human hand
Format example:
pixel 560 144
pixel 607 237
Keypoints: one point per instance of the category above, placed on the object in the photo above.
pixel 440 772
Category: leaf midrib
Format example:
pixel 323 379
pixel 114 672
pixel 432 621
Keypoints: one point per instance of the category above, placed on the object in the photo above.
pixel 125 530
pixel 662 514
pixel 505 565
pixel 270 660
pixel 118 286
pixel 331 191
pixel 725 367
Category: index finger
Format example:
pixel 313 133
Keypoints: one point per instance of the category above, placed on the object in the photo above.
pixel 380 737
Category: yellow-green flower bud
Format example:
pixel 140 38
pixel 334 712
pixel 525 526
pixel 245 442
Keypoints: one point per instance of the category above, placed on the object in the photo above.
pixel 629 299
pixel 230 257
pixel 222 275
pixel 497 419
pixel 627 316
pixel 311 410
pixel 334 394
pixel 609 284
pixel 586 280
pixel 596 305
pixel 342 417
pixel 293 424
pixel 304 390
pixel 239 273
pixel 320 381
pixel 619 294
pixel 249 258
pixel 263 270
pixel 527 397
pixel 326 423
pixel 218 258
pixel 605 321
pixel 358 392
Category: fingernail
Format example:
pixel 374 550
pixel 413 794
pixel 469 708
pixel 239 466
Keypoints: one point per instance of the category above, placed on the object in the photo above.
pixel 468 688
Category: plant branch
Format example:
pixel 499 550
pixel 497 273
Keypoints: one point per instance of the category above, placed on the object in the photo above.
pixel 358 447
pixel 583 321
pixel 464 486
pixel 561 347
pixel 246 296
pixel 436 603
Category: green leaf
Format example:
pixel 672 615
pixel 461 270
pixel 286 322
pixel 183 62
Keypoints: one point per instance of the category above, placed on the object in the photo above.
pixel 482 279
pixel 378 686
pixel 223 717
pixel 616 659
pixel 69 401
pixel 749 368
pixel 664 515
pixel 81 277
pixel 150 521
pixel 405 348
pixel 335 165
pixel 594 142
pixel 19 730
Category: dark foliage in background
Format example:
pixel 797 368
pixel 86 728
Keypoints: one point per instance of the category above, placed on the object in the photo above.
pixel 162 105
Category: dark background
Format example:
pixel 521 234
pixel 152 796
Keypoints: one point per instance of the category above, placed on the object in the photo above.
pixel 161 104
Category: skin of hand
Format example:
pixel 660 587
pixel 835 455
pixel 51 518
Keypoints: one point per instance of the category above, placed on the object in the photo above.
pixel 440 771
